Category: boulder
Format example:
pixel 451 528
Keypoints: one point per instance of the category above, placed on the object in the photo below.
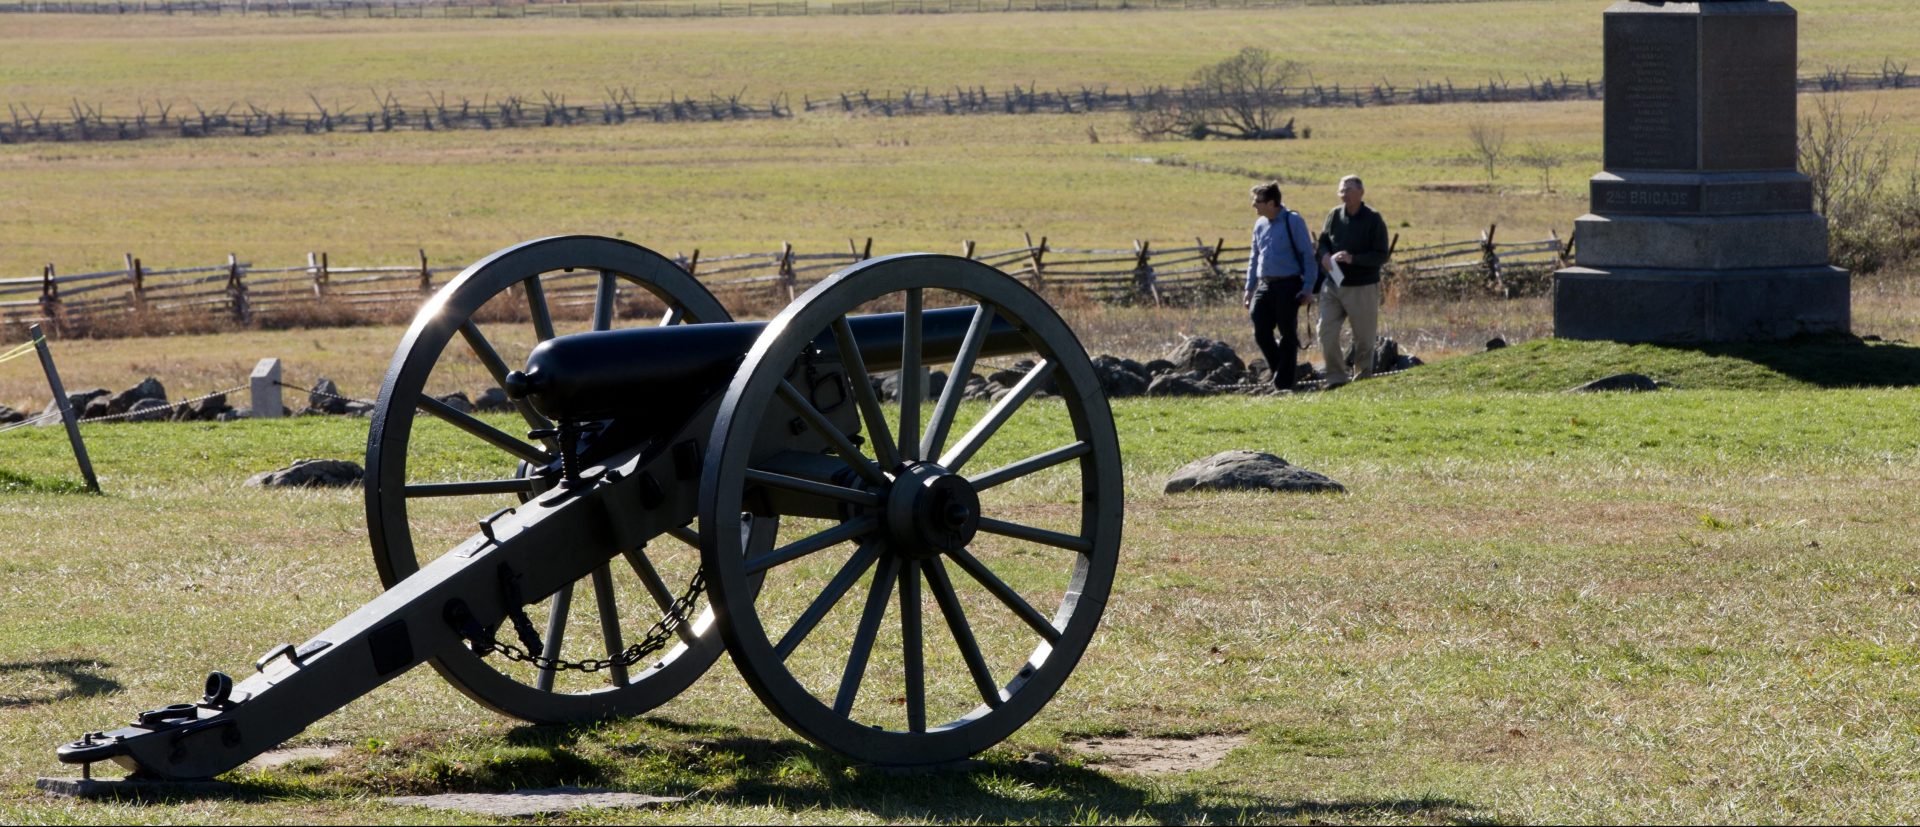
pixel 887 385
pixel 1632 382
pixel 324 398
pixel 1160 366
pixel 1227 375
pixel 210 409
pixel 1173 384
pixel 79 401
pixel 1248 471
pixel 1496 343
pixel 97 407
pixel 456 400
pixel 124 401
pixel 311 473
pixel 9 415
pixel 493 400
pixel 150 410
pixel 1204 355
pixel 1120 377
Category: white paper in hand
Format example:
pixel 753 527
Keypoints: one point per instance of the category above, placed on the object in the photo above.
pixel 1333 272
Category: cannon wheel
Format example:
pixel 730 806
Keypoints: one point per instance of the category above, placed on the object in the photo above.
pixel 524 467
pixel 916 715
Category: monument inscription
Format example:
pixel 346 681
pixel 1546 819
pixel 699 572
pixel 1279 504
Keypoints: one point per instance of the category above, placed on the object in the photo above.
pixel 1747 106
pixel 1653 72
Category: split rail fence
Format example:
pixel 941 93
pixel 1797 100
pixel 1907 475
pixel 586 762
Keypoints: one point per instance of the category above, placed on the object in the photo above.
pixel 1144 273
pixel 569 8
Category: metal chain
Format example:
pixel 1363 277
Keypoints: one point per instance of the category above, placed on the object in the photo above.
pixel 657 637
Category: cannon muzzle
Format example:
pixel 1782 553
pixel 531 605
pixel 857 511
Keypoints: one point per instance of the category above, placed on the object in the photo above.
pixel 604 374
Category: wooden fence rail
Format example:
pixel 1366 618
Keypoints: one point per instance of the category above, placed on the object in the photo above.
pixel 1148 272
pixel 572 8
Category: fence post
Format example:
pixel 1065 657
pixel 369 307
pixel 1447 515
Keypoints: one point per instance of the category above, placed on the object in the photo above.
pixel 1492 259
pixel 1036 268
pixel 786 268
pixel 265 385
pixel 966 249
pixel 237 291
pixel 66 407
pixel 50 300
pixel 426 275
pixel 137 277
pixel 317 266
pixel 1143 270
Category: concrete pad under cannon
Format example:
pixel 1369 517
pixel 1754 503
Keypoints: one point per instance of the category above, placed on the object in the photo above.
pixel 520 803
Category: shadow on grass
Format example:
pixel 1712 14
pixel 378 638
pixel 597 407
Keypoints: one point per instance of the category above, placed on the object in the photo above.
pixel 1826 361
pixel 81 676
pixel 15 483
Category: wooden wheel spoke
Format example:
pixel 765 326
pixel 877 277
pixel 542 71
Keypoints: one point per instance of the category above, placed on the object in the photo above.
pixel 487 433
pixel 675 314
pixel 603 300
pixel 912 652
pixel 911 390
pixel 1030 465
pixel 556 634
pixel 949 405
pixel 856 565
pixel 963 639
pixel 497 368
pixel 997 416
pixel 1042 536
pixel 517 485
pixel 610 623
pixel 656 587
pixel 818 489
pixel 820 425
pixel 999 588
pixel 876 610
pixel 537 308
pixel 878 433
pixel 849 530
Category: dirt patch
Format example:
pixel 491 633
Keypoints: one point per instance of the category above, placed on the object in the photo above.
pixel 1162 756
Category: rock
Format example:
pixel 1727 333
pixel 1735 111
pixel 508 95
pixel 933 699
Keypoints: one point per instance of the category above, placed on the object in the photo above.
pixel 1204 355
pixel 311 473
pixel 1117 378
pixel 1618 382
pixel 493 400
pixel 98 406
pixel 79 401
pixel 981 389
pixel 1177 385
pixel 1009 378
pixel 1227 375
pixel 887 385
pixel 1160 366
pixel 1496 343
pixel 1248 471
pixel 1385 355
pixel 9 415
pixel 456 400
pixel 209 409
pixel 149 388
pixel 325 398
pixel 150 410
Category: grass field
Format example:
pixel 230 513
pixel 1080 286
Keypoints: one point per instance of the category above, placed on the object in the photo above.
pixel 1696 605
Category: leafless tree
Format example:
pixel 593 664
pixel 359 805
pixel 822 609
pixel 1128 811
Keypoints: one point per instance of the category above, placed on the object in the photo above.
pixel 1544 158
pixel 1845 157
pixel 1489 145
pixel 1242 97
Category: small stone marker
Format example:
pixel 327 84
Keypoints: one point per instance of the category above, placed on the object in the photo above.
pixel 311 473
pixel 535 802
pixel 265 387
pixel 1248 471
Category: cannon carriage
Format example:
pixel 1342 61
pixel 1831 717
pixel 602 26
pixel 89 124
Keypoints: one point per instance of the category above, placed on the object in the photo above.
pixel 906 584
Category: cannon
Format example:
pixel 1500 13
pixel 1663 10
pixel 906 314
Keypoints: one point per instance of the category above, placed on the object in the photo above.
pixel 716 485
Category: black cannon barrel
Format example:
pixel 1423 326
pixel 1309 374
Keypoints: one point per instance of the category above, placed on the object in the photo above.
pixel 606 374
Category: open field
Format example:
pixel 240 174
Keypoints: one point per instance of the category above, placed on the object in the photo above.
pixel 1531 607
pixel 117 63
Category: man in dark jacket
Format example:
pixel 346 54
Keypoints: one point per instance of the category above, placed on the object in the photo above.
pixel 1353 247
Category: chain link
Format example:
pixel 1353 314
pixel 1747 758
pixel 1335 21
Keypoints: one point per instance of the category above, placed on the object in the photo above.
pixel 657 637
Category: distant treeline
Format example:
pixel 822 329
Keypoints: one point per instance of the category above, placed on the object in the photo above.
pixel 83 122
pixel 412 9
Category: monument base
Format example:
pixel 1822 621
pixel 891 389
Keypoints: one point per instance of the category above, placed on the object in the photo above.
pixel 1685 306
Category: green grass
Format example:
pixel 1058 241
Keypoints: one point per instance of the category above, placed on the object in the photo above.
pixel 1559 364
pixel 1533 606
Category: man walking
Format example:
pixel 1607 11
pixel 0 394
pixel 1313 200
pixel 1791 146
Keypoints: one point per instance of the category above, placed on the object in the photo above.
pixel 1277 280
pixel 1353 246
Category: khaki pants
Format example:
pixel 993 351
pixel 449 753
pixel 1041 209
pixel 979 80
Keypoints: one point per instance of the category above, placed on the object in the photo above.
pixel 1361 303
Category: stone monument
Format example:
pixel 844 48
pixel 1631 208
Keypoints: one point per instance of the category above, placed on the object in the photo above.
pixel 1701 227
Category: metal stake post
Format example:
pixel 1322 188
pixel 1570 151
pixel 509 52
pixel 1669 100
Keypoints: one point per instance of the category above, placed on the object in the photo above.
pixel 66 408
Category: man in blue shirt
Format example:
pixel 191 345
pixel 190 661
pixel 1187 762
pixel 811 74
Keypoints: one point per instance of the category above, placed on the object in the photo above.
pixel 1279 281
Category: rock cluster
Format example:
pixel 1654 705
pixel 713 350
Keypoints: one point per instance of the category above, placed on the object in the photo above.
pixel 144 402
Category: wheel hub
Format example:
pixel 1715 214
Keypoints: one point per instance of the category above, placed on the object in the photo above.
pixel 931 511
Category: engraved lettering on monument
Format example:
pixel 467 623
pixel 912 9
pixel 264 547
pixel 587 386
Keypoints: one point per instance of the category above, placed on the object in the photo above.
pixel 1652 83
